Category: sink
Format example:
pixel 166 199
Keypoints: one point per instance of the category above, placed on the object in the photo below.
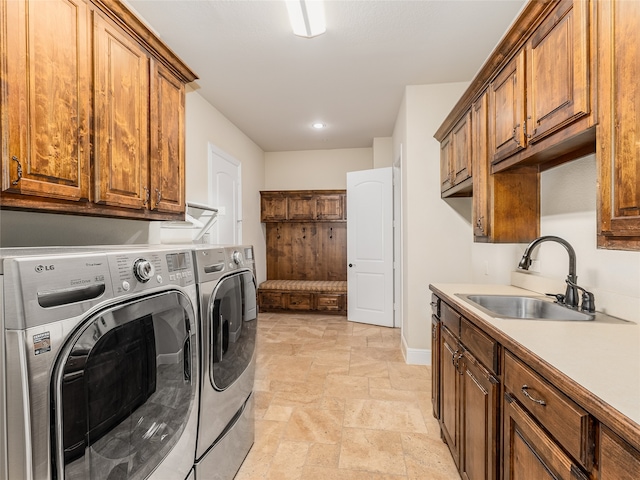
pixel 523 307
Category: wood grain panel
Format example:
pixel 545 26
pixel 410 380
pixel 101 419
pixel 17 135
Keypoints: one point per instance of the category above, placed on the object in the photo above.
pixel 46 96
pixel 618 460
pixel 121 119
pixel 167 148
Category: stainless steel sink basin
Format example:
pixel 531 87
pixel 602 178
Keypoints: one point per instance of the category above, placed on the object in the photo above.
pixel 522 307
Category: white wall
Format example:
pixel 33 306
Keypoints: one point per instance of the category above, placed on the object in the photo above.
pixel 568 210
pixel 314 169
pixel 205 124
pixel 436 244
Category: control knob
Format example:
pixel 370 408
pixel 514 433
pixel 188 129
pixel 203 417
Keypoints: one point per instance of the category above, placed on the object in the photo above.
pixel 236 257
pixel 143 270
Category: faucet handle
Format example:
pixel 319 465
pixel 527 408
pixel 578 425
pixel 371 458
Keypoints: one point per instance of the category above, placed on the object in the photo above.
pixel 588 302
pixel 558 296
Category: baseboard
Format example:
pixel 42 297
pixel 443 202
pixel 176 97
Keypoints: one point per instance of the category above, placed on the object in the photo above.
pixel 415 356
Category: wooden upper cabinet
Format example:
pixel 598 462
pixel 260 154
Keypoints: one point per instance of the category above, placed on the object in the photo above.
pixel 45 98
pixel 303 206
pixel 273 207
pixel 76 106
pixel 330 207
pixel 167 155
pixel 456 160
pixel 481 214
pixel 121 83
pixel 558 70
pixel 507 114
pixel 619 125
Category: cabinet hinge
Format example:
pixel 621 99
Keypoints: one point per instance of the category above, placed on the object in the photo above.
pixel 508 398
pixel 577 473
pixel 494 380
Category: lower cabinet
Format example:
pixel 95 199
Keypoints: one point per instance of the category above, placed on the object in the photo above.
pixel 469 395
pixel 302 301
pixel 502 418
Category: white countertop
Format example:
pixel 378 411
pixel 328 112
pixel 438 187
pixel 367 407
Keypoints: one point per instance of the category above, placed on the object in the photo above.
pixel 603 355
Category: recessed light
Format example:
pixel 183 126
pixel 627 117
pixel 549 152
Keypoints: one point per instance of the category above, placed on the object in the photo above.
pixel 318 125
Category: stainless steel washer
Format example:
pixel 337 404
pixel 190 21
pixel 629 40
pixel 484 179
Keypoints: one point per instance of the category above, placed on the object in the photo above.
pixel 228 320
pixel 100 366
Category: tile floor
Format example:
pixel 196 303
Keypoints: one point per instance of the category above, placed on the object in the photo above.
pixel 335 400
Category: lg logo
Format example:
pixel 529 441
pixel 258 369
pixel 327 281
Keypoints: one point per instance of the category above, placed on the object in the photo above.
pixel 44 268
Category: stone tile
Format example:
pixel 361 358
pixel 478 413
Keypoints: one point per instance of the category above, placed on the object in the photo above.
pixel 366 367
pixel 315 425
pixel 346 386
pixel 409 377
pixel 278 413
pixel 427 457
pixel 379 383
pixel 384 415
pixel 384 354
pixel 372 450
pixel 288 461
pixel 323 455
pixel 312 472
pixel 268 434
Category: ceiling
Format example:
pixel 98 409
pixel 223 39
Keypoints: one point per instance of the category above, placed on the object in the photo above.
pixel 273 85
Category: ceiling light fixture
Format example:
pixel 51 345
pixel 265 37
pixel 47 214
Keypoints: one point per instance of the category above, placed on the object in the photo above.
pixel 307 17
pixel 318 125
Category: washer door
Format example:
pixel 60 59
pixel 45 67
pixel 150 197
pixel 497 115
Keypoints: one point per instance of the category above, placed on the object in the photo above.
pixel 123 389
pixel 233 317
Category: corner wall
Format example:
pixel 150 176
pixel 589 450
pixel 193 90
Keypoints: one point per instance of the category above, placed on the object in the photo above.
pixel 436 244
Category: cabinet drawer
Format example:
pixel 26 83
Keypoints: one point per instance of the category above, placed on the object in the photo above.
pixel 329 302
pixel 300 301
pixel 484 348
pixel 571 426
pixel 270 299
pixel 450 318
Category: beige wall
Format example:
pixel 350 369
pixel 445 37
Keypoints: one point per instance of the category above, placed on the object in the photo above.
pixel 314 169
pixel 383 152
pixel 435 241
pixel 204 125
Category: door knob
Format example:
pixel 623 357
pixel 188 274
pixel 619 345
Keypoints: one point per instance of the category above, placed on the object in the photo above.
pixel 351 265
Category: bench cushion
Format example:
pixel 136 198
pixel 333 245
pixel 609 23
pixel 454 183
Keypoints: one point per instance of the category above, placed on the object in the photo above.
pixel 306 285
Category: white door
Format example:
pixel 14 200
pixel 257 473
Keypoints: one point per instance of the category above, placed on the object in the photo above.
pixel 225 195
pixel 370 246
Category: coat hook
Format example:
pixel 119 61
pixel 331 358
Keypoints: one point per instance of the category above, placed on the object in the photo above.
pixel 331 232
pixel 304 232
pixel 278 232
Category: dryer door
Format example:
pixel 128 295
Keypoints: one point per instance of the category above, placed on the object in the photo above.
pixel 233 321
pixel 123 389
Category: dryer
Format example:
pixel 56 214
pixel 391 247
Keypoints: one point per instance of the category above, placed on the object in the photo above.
pixel 228 325
pixel 99 363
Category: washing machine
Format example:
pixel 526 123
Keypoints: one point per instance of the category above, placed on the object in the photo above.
pixel 99 367
pixel 228 325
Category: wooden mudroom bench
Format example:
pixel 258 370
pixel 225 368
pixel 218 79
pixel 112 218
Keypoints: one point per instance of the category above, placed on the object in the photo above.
pixel 306 251
pixel 324 296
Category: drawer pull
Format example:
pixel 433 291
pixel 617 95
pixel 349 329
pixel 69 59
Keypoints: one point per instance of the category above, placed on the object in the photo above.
pixel 526 393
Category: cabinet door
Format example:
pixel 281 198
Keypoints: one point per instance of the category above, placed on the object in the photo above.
pixel 449 392
pixel 121 118
pixel 618 460
pixel 273 208
pixel 329 207
pixel 619 125
pixel 480 159
pixel 461 141
pixel 507 110
pixel 479 421
pixel 301 207
pixel 446 164
pixel 45 98
pixel 558 70
pixel 529 452
pixel 167 141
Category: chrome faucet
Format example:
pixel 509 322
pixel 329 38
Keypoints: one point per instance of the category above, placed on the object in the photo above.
pixel 570 297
